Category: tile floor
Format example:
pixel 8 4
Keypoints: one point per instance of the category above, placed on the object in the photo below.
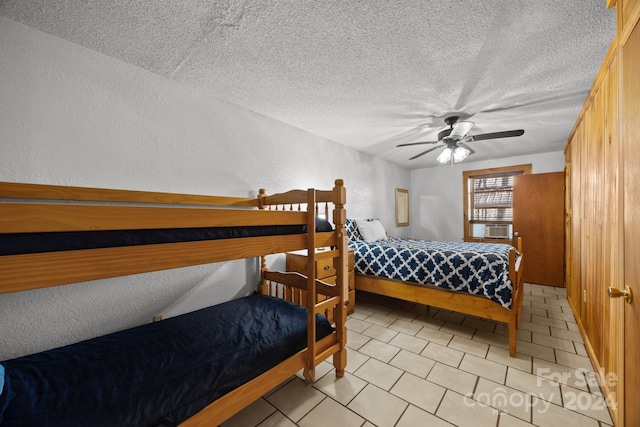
pixel 411 365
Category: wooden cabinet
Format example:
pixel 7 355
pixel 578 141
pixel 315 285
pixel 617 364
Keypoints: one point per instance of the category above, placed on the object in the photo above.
pixel 325 270
pixel 603 219
pixel 538 215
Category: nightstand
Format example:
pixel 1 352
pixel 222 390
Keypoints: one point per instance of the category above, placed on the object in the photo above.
pixel 325 270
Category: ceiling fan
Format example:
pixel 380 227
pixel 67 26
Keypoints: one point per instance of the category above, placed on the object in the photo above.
pixel 454 140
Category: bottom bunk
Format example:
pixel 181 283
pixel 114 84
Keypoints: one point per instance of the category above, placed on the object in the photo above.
pixel 162 373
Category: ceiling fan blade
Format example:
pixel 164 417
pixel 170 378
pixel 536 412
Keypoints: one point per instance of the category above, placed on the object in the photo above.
pixel 417 143
pixel 425 152
pixel 462 144
pixel 496 135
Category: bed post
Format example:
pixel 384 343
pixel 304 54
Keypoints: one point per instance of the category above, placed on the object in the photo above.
pixel 515 274
pixel 309 371
pixel 262 284
pixel 342 280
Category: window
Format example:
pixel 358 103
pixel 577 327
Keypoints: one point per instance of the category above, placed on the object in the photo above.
pixel 488 202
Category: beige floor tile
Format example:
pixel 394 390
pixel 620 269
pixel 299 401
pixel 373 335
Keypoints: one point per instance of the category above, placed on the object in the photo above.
pixel 554 415
pixel 296 399
pixel 454 379
pixel 504 399
pixel 379 350
pixel 436 336
pixel 355 359
pixel 381 319
pixel 361 312
pixel 480 324
pixel 536 327
pixel 356 325
pixel 380 333
pixel 252 415
pixel 341 389
pixel 481 367
pixel 458 330
pixel 406 327
pixel 469 346
pixel 507 420
pixel 402 314
pixel 553 342
pixel 449 316
pixel 356 340
pixel 443 354
pixel 428 321
pixel 536 350
pixel 561 374
pixel 501 355
pixel 378 373
pixel 414 417
pixel 567 335
pixel 492 339
pixel 591 405
pixel 331 413
pixel 378 406
pixel 408 342
pixel 462 411
pixel 573 360
pixel 275 420
pixel 556 323
pixel 422 393
pixel 539 387
pixel 413 363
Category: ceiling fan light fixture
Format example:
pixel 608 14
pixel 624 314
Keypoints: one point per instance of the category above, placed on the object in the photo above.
pixel 445 156
pixel 460 153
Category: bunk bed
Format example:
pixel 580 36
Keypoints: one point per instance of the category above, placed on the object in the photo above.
pixel 175 371
pixel 478 279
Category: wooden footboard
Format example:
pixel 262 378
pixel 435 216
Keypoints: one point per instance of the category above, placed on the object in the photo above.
pixel 457 301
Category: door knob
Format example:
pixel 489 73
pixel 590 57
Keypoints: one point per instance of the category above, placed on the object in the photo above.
pixel 617 293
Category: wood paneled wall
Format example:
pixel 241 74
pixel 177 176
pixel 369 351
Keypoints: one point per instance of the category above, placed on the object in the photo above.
pixel 601 172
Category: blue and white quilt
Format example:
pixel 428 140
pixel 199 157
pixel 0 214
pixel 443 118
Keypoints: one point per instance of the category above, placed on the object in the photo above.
pixel 474 268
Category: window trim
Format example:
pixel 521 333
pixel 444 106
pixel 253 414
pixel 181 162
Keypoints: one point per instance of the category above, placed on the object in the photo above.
pixel 479 173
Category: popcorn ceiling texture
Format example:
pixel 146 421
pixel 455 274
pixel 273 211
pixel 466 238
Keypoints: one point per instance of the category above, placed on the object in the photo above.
pixel 366 74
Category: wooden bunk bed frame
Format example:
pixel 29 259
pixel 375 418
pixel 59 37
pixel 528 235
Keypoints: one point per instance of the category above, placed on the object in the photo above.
pixel 473 305
pixel 44 208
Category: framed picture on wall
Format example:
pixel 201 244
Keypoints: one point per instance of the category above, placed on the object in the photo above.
pixel 402 207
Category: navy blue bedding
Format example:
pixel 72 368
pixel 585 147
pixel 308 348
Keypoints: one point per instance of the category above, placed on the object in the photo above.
pixel 156 374
pixel 25 243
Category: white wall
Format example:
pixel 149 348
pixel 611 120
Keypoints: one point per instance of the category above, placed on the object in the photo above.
pixel 436 194
pixel 71 116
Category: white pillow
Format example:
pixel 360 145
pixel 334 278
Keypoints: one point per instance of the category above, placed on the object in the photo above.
pixel 371 230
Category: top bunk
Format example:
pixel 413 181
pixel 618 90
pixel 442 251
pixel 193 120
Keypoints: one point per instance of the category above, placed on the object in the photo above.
pixel 53 235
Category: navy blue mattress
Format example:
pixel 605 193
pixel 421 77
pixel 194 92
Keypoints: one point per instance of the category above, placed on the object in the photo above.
pixel 25 243
pixel 156 374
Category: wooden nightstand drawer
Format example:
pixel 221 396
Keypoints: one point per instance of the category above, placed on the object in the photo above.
pixel 325 270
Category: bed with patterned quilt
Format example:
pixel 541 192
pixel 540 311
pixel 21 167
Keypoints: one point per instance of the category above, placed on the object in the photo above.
pixel 479 279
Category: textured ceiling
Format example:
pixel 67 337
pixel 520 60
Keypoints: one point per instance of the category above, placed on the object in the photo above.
pixel 366 74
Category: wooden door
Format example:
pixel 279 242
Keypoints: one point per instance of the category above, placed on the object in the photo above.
pixel 538 215
pixel 630 140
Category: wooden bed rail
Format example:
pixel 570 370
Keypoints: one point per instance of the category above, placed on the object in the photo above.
pixel 13 190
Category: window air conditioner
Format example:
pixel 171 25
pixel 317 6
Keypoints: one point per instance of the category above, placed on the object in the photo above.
pixel 496 231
